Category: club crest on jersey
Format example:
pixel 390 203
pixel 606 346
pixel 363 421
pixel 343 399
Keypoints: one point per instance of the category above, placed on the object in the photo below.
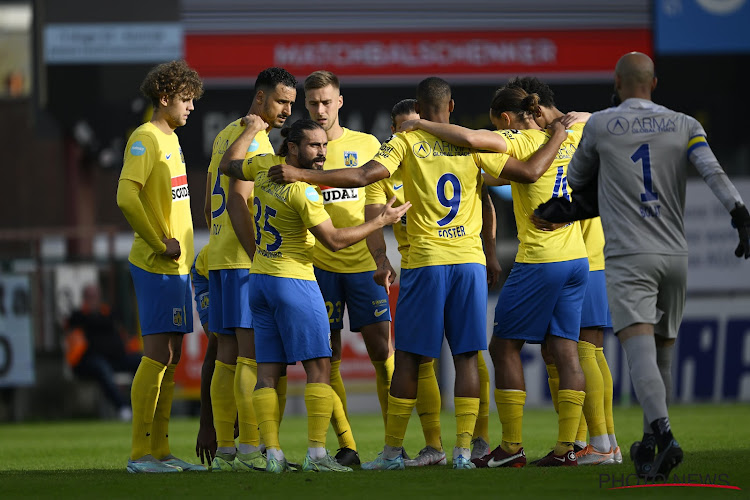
pixel 177 316
pixel 180 188
pixel 350 158
pixel 337 195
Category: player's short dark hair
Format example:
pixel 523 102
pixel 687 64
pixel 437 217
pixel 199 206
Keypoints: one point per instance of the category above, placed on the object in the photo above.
pixel 174 78
pixel 296 132
pixel 516 100
pixel 433 91
pixel 269 78
pixel 405 107
pixel 533 85
pixel 321 79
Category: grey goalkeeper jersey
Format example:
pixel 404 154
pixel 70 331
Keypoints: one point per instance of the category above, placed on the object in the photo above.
pixel 641 151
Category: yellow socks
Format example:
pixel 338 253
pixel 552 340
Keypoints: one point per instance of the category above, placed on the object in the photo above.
pixel 319 404
pixel 160 429
pixel 281 387
pixel 399 411
pixel 571 404
pixel 337 384
pixel 222 403
pixel 510 409
pixel 583 427
pixel 481 430
pixel 245 378
pixel 428 405
pixel 383 375
pixel 341 424
pixel 593 406
pixel 467 410
pixel 553 379
pixel 608 390
pixel 144 394
pixel 266 403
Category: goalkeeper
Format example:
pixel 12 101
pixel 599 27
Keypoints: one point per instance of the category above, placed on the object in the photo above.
pixel 638 154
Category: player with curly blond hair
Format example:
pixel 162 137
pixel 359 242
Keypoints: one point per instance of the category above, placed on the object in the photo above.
pixel 154 197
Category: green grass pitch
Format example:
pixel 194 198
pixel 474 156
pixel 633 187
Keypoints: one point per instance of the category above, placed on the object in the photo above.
pixel 86 459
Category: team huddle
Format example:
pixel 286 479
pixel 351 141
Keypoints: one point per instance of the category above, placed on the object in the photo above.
pixel 296 238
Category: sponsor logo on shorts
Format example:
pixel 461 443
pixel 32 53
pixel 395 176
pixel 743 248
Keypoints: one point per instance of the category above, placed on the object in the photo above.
pixel 380 312
pixel 177 316
pixel 338 195
pixel 350 158
pixel 180 188
pixel 137 149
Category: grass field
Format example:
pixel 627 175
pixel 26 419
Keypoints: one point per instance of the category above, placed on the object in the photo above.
pixel 86 459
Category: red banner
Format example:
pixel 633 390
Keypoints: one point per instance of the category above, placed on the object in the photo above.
pixel 405 54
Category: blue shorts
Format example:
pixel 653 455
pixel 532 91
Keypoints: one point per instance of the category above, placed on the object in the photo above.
pixel 365 300
pixel 290 319
pixel 164 301
pixel 200 292
pixel 437 299
pixel 542 299
pixel 595 311
pixel 230 300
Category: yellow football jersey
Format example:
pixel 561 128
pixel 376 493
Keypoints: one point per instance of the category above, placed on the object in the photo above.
pixel 536 246
pixel 154 160
pixel 201 261
pixel 443 183
pixel 378 193
pixel 226 250
pixel 283 213
pixel 593 237
pixel 346 206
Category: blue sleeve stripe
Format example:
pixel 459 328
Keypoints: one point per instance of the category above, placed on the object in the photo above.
pixel 695 146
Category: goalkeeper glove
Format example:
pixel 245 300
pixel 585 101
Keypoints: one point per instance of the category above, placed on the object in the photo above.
pixel 741 221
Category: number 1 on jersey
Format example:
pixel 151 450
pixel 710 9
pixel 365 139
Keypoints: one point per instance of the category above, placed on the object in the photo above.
pixel 561 184
pixel 643 154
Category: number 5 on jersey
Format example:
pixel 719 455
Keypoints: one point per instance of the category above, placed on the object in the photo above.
pixel 268 214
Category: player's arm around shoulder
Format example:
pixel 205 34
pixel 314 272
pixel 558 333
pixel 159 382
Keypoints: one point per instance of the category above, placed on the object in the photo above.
pixel 370 172
pixel 534 167
pixel 234 158
pixel 458 135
